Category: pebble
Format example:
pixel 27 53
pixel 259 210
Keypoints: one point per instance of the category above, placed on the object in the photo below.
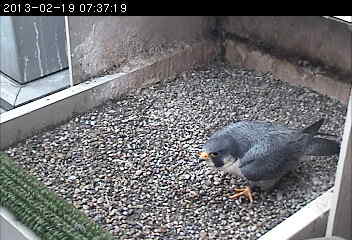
pixel 113 212
pixel 139 153
pixel 72 178
pixel 85 207
pixel 203 235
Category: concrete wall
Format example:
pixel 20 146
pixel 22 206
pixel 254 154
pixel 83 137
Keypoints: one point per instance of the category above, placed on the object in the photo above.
pixel 313 52
pixel 107 44
pixel 312 37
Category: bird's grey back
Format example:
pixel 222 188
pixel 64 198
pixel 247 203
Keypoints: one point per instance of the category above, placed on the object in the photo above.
pixel 248 133
pixel 267 151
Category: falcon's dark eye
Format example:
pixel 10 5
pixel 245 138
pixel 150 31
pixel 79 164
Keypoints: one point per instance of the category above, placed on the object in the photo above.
pixel 214 154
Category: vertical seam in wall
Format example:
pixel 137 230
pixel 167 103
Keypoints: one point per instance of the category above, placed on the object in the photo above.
pixel 220 37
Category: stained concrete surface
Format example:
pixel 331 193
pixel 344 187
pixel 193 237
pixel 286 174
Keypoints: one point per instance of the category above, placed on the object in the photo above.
pixel 100 44
pixel 241 54
pixel 32 46
pixel 312 37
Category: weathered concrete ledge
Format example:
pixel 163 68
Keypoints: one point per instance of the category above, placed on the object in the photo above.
pixel 24 121
pixel 239 53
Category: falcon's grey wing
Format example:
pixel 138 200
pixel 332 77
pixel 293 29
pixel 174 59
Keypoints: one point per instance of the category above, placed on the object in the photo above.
pixel 274 156
pixel 250 129
pixel 322 147
pixel 248 133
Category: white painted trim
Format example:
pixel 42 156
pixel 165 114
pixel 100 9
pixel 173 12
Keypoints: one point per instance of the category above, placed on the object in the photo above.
pixel 344 18
pixel 342 199
pixel 341 19
pixel 56 97
pixel 14 94
pixel 12 229
pixel 303 223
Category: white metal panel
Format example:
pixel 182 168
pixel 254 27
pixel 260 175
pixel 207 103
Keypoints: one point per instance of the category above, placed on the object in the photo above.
pixel 11 229
pixel 340 223
pixel 345 18
pixel 308 222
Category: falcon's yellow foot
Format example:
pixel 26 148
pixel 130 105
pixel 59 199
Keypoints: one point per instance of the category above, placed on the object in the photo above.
pixel 247 192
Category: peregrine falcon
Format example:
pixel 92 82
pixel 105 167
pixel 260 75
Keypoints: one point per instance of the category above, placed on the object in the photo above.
pixel 263 152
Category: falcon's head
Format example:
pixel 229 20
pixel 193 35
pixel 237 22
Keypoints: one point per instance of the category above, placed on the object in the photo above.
pixel 219 151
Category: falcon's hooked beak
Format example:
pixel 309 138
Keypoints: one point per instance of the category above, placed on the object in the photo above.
pixel 203 155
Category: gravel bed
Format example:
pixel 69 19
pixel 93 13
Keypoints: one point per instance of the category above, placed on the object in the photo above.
pixel 131 164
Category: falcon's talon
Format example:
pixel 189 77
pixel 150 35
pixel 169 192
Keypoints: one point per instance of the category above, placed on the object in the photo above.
pixel 240 189
pixel 247 192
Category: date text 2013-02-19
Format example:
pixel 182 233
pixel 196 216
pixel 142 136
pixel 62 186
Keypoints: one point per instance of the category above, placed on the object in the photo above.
pixel 64 8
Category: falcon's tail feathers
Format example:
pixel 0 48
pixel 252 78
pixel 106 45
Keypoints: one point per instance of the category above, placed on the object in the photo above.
pixel 322 147
pixel 327 134
pixel 314 128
